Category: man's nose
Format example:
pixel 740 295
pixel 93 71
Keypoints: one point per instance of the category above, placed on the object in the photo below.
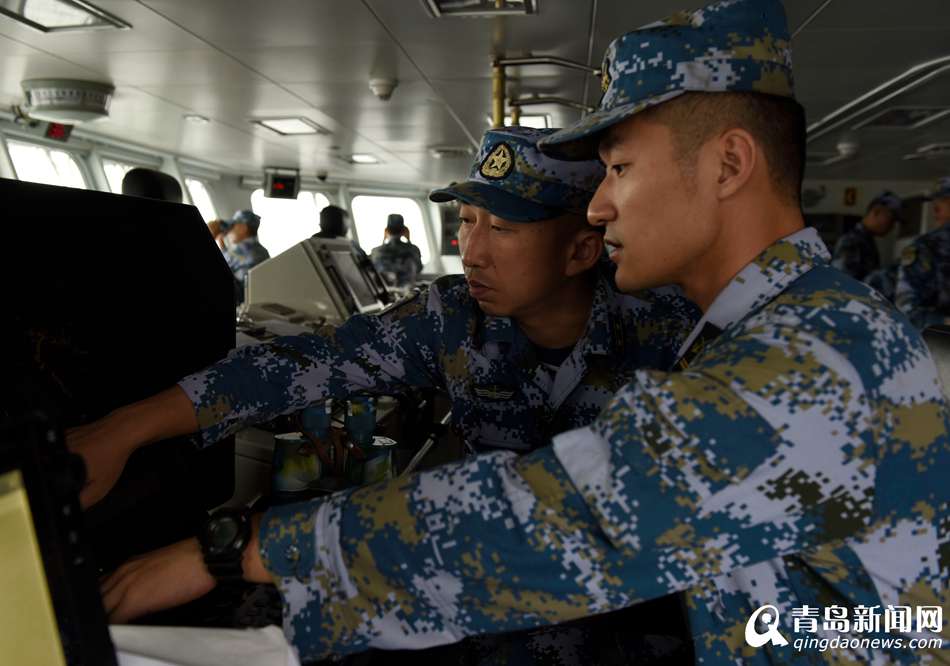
pixel 601 210
pixel 474 246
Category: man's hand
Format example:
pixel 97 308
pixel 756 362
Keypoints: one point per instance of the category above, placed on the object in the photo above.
pixel 164 578
pixel 105 445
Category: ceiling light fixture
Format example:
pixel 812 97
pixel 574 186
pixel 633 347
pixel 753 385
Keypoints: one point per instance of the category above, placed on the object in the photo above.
pixel 363 158
pixel 60 15
pixel 480 8
pixel 290 126
pixel 197 119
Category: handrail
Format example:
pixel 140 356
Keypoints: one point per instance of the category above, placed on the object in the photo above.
pixel 918 75
pixel 546 60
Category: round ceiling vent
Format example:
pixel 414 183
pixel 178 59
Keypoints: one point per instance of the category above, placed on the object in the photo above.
pixel 67 101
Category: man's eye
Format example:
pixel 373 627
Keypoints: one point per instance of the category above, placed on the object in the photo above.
pixel 497 228
pixel 618 168
pixel 464 220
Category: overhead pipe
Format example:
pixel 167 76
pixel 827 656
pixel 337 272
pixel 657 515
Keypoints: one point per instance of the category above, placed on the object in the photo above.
pixel 811 17
pixel 497 95
pixel 547 60
pixel 916 75
pixel 531 101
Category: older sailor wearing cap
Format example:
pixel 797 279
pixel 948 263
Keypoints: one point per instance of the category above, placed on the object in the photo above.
pixel 923 282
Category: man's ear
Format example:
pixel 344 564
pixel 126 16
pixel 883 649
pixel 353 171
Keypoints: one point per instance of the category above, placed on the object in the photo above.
pixel 738 155
pixel 584 250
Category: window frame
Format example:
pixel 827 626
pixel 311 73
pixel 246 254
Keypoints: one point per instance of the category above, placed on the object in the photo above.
pixel 79 155
pixel 420 200
pixel 208 190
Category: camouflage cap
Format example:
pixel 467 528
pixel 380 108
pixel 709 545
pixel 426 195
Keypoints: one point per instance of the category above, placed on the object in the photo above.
pixel 941 190
pixel 889 200
pixel 729 46
pixel 248 217
pixel 515 181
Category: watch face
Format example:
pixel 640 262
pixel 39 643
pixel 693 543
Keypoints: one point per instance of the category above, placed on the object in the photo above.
pixel 222 532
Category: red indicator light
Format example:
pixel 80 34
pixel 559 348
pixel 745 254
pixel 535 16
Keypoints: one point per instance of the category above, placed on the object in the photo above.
pixel 455 242
pixel 279 186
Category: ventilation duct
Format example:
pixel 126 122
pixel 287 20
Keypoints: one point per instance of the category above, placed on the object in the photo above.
pixel 904 117
pixel 67 101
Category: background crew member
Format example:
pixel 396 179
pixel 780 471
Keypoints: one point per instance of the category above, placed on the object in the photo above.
pixel 775 468
pixel 856 252
pixel 532 341
pixel 243 250
pixel 923 284
pixel 397 258
pixel 332 222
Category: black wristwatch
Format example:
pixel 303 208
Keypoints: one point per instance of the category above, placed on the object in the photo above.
pixel 223 538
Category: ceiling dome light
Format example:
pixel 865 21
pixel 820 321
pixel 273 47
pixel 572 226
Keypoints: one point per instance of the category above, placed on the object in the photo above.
pixel 67 101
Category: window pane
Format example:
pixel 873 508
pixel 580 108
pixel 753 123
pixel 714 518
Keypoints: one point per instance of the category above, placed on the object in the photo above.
pixel 370 214
pixel 201 198
pixel 115 172
pixel 38 164
pixel 285 222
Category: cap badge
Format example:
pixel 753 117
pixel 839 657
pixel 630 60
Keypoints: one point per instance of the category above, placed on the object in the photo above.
pixel 605 76
pixel 499 162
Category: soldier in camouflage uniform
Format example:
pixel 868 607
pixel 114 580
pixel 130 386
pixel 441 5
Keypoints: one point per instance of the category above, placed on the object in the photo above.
pixel 468 337
pixel 397 258
pixel 856 252
pixel 923 282
pixel 243 250
pixel 796 459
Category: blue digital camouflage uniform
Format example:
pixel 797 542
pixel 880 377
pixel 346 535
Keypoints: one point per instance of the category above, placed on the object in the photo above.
pixel 923 280
pixel 884 280
pixel 856 253
pixel 923 286
pixel 798 460
pixel 244 256
pixel 400 258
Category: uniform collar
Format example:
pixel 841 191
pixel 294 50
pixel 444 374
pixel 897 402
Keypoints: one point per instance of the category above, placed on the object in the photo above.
pixel 763 279
pixel 598 336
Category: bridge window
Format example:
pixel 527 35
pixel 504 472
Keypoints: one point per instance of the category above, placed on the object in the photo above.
pixel 39 164
pixel 115 172
pixel 201 198
pixel 370 214
pixel 286 222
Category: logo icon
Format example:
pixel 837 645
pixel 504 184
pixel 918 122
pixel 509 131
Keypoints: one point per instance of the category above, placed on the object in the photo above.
pixel 499 162
pixel 768 616
pixel 605 76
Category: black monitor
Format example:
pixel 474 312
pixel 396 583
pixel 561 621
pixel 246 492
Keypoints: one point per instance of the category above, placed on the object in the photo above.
pixel 108 299
pixel 52 612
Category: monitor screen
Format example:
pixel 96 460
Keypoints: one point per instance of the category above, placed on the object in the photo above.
pixel 350 271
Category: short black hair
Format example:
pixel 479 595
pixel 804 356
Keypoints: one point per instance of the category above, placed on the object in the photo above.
pixel 776 123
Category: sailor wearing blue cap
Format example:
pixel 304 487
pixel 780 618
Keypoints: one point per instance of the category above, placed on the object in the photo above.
pixel 793 468
pixel 923 283
pixel 856 251
pixel 243 250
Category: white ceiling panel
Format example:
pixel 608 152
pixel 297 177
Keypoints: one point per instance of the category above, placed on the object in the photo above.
pixel 232 60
